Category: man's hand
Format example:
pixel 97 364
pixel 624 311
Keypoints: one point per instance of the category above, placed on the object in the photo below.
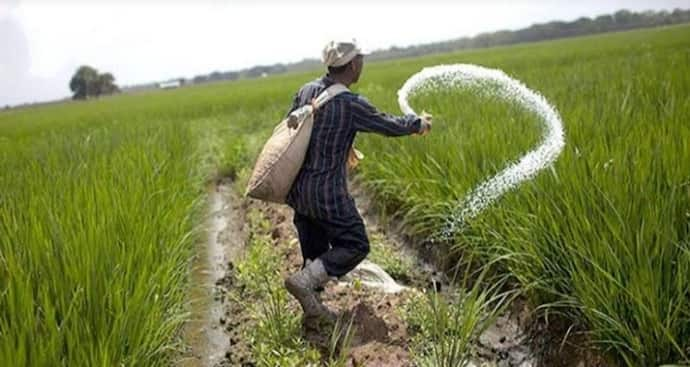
pixel 426 123
pixel 353 158
pixel 292 121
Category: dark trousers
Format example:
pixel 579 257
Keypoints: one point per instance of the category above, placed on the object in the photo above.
pixel 341 245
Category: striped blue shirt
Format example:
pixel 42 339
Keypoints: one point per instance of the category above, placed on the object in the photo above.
pixel 320 189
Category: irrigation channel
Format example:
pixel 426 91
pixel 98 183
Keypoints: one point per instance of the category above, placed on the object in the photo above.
pixel 207 339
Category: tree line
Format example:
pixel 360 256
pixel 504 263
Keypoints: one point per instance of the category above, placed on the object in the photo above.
pixel 618 21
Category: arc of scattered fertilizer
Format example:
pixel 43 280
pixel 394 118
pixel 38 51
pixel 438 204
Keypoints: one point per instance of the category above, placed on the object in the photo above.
pixel 527 166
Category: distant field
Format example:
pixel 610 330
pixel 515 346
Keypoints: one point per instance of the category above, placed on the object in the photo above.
pixel 102 201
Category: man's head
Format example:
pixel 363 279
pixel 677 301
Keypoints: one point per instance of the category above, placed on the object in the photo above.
pixel 344 60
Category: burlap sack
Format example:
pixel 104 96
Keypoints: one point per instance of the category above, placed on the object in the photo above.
pixel 283 154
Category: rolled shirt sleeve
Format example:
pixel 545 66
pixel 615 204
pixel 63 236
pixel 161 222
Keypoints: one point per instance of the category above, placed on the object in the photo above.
pixel 366 118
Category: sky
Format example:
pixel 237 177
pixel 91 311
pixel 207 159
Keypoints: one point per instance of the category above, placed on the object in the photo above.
pixel 42 42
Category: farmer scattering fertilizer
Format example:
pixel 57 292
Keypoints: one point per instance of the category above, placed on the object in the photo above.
pixel 332 235
pixel 331 232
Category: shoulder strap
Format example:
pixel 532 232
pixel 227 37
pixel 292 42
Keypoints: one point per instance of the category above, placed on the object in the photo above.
pixel 328 94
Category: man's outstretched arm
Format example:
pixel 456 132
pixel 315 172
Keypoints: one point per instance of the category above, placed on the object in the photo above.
pixel 367 118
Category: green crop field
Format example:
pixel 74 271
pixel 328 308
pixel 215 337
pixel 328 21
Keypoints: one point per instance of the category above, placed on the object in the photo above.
pixel 103 202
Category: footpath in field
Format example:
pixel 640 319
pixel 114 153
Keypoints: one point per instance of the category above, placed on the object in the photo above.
pixel 263 325
pixel 378 334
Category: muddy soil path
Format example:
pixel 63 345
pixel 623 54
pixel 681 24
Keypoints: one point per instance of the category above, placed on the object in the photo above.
pixel 380 337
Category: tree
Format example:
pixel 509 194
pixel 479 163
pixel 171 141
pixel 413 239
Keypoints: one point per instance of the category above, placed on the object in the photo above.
pixel 106 84
pixel 87 82
pixel 82 82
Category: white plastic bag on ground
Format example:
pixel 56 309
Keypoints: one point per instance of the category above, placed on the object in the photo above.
pixel 372 275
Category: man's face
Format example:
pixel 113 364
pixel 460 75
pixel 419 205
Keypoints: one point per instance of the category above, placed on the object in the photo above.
pixel 357 66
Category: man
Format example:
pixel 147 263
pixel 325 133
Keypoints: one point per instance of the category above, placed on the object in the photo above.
pixel 331 232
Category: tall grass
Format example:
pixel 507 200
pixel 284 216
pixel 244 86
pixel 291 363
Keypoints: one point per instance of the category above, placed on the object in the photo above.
pixel 101 207
pixel 96 230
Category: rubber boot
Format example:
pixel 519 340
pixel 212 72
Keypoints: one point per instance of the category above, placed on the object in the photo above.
pixel 302 286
